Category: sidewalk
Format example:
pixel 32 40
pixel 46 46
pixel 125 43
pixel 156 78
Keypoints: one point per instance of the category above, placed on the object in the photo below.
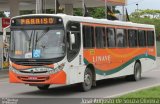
pixel 4 73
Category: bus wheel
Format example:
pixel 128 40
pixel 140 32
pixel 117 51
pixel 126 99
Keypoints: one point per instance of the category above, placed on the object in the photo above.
pixel 88 80
pixel 137 73
pixel 43 87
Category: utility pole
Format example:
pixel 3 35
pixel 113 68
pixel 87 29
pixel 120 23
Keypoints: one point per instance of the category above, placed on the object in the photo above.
pixel 83 7
pixel 106 9
pixel 55 7
pixel 137 7
pixel 40 6
pixel 123 13
pixel 137 10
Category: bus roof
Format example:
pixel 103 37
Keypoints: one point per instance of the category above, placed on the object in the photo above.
pixel 92 20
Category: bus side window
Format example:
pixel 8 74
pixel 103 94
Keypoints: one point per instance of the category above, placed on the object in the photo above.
pixel 73 28
pixel 132 38
pixel 150 38
pixel 142 38
pixel 88 37
pixel 111 37
pixel 100 37
pixel 121 38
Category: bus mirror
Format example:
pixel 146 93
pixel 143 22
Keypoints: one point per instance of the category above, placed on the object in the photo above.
pixel 5 33
pixel 72 40
pixel 5 44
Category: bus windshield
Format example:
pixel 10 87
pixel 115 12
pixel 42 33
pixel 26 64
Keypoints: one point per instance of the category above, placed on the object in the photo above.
pixel 39 44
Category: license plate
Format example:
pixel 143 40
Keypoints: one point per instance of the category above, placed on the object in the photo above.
pixel 32 78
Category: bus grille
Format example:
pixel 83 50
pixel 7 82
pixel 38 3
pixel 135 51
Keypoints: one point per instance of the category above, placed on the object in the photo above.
pixel 34 72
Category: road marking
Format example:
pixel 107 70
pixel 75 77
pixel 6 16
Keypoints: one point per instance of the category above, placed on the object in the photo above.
pixel 124 93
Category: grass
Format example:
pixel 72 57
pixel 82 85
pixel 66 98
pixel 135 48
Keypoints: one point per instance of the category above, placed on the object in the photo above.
pixel 145 96
pixel 153 92
pixel 158 48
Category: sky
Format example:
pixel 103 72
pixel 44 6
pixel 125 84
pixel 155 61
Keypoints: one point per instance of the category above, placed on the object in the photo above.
pixel 142 4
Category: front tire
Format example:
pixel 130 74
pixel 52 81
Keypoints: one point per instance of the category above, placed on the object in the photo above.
pixel 88 80
pixel 43 87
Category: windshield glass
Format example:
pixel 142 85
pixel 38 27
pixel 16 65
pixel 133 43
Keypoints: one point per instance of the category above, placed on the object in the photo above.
pixel 41 44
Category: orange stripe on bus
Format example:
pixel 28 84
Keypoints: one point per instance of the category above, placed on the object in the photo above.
pixel 106 59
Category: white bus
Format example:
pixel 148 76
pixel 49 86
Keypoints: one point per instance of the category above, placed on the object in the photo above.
pixel 59 49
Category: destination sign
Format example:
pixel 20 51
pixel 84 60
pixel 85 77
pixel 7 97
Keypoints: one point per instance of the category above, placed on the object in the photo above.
pixel 36 21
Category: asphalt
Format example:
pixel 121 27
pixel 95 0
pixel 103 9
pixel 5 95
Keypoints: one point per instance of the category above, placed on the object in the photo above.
pixel 3 73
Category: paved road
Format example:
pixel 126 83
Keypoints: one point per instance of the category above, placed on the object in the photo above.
pixel 104 89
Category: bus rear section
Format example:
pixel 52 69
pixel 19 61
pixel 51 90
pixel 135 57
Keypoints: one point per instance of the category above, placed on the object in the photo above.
pixel 119 50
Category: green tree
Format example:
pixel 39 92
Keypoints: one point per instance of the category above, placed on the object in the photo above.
pixel 98 12
pixel 149 13
pixel 23 12
pixel 2 14
pixel 147 16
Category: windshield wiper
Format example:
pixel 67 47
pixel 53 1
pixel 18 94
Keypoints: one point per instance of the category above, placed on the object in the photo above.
pixel 26 34
pixel 36 39
pixel 43 34
pixel 30 39
pixel 13 41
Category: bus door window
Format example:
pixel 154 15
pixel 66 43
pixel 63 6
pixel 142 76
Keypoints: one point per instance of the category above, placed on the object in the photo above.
pixel 111 37
pixel 73 28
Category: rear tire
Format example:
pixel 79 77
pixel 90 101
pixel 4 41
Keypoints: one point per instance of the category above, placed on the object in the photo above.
pixel 88 80
pixel 137 73
pixel 43 87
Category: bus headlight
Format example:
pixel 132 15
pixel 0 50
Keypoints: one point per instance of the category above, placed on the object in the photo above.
pixel 14 70
pixel 57 69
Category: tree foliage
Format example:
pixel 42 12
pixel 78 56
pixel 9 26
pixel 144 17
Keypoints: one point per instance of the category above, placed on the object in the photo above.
pixel 148 17
pixel 23 12
pixel 148 13
pixel 94 12
pixel 2 14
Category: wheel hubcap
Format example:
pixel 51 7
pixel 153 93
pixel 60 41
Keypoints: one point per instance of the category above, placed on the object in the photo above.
pixel 87 79
pixel 138 74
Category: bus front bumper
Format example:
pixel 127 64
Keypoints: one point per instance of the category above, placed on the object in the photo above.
pixel 57 78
